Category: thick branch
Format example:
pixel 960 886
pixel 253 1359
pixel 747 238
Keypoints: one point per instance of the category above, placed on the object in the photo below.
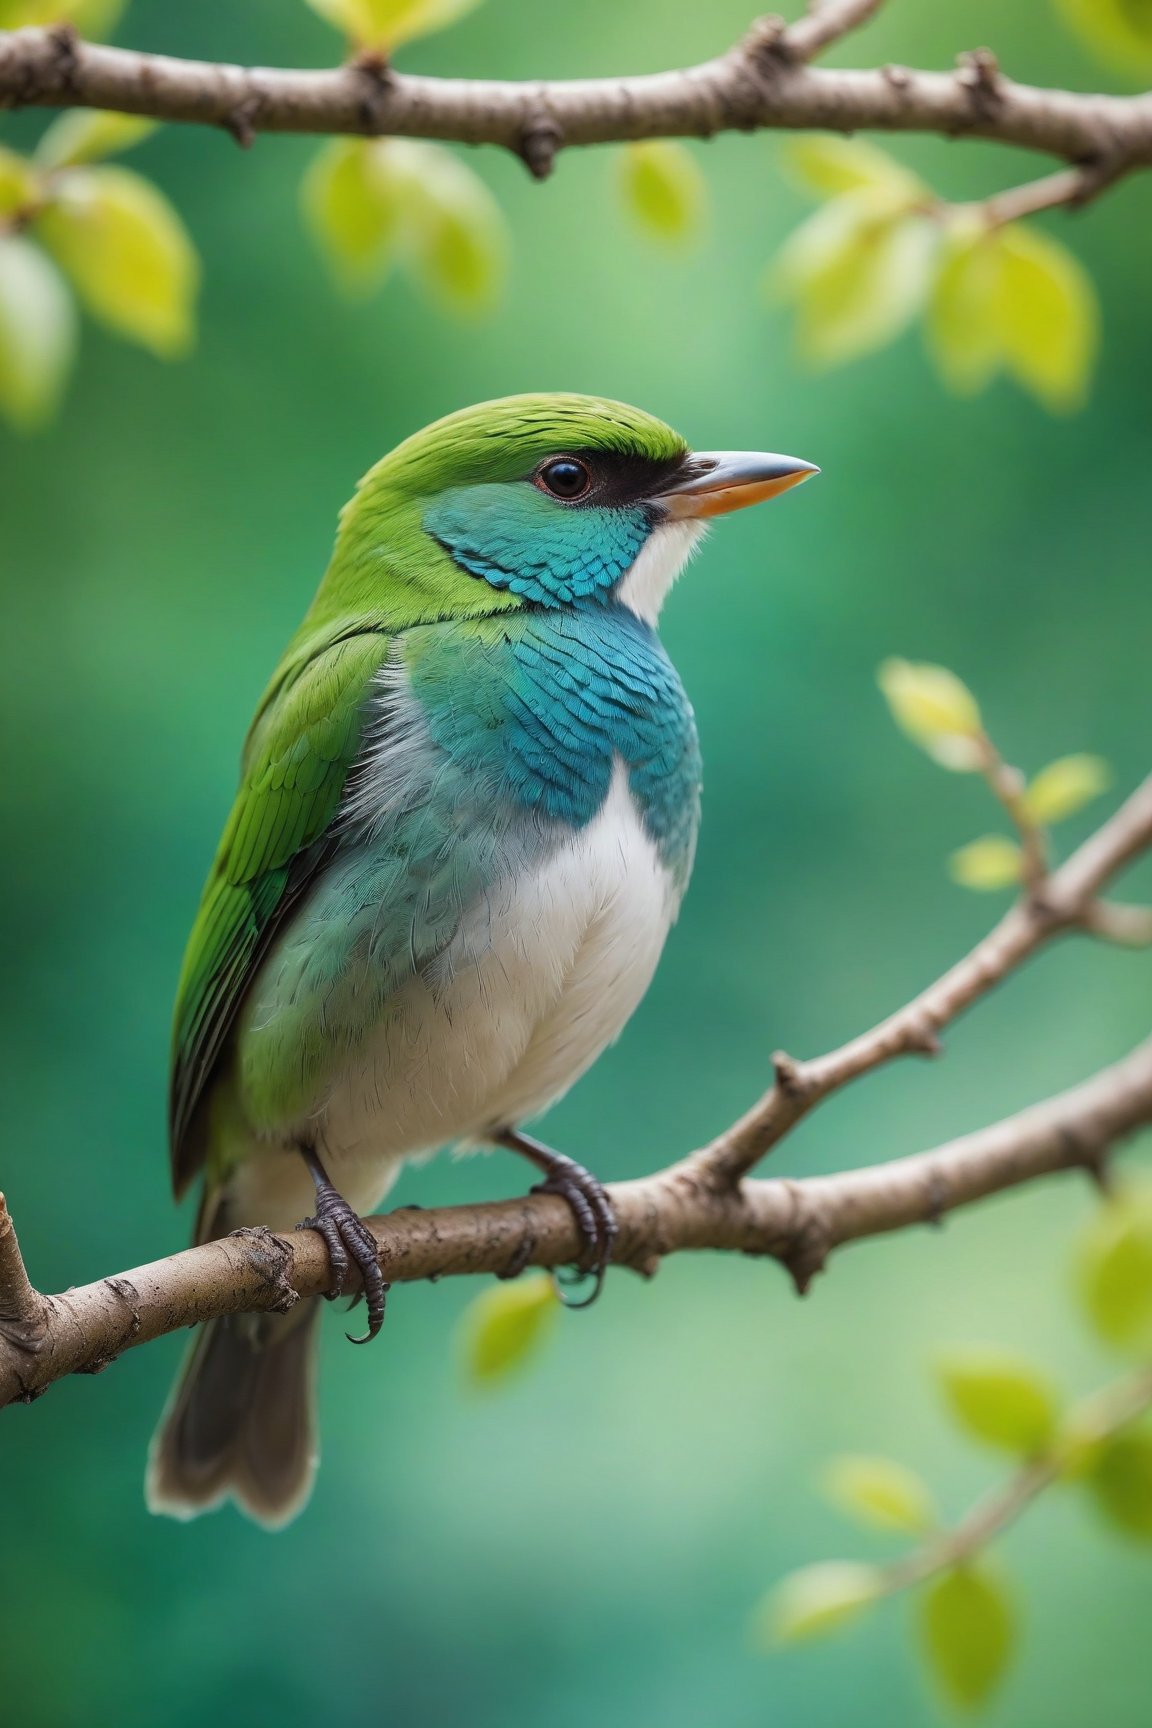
pixel 798 1223
pixel 764 82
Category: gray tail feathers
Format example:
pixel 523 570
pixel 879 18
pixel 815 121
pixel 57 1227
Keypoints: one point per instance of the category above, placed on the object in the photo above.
pixel 241 1421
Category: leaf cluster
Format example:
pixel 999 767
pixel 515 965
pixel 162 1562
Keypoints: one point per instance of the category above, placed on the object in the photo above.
pixel 883 251
pixel 75 228
pixel 967 1620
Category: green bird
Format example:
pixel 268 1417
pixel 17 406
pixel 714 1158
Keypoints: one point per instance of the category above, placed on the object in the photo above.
pixel 466 818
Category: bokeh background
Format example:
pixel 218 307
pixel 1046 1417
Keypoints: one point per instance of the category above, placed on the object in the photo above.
pixel 586 1543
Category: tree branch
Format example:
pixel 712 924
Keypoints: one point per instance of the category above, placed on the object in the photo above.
pixel 697 1203
pixel 1099 1417
pixel 764 81
pixel 796 1222
pixel 1064 901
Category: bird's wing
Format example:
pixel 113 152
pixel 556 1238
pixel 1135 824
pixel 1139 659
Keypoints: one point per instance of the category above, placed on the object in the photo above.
pixel 296 763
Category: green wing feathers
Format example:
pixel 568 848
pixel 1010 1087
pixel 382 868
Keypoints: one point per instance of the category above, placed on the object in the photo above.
pixel 302 746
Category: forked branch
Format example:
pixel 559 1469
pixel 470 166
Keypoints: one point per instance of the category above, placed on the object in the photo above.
pixel 699 1203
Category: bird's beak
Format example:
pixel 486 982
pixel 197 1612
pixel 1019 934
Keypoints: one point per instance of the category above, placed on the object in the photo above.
pixel 716 481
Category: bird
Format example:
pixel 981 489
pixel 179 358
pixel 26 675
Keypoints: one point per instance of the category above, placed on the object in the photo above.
pixel 466 819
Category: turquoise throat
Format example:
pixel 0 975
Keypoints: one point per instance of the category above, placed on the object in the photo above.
pixel 541 704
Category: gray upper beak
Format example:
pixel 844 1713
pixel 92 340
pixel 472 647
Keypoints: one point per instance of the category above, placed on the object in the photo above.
pixel 717 481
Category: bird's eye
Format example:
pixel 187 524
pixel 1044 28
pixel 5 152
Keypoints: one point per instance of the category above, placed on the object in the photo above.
pixel 565 478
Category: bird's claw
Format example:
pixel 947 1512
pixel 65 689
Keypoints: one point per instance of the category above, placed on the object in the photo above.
pixel 590 1206
pixel 349 1241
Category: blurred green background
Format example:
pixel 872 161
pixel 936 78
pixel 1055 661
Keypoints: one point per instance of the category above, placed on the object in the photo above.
pixel 586 1544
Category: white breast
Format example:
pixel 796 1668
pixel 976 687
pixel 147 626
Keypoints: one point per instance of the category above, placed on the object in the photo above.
pixel 537 982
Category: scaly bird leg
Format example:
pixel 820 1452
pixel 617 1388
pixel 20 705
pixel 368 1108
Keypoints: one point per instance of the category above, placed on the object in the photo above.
pixel 347 1240
pixel 586 1197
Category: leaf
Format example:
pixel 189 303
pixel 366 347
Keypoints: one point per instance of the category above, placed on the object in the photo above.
pixel 936 710
pixel 968 1630
pixel 355 207
pixel 830 165
pixel 664 189
pixel 127 253
pixel 1049 317
pixel 17 182
pixel 88 135
pixel 1121 1482
pixel 92 18
pixel 817 1599
pixel 963 327
pixel 502 1327
pixel 1000 1399
pixel 1115 1269
pixel 457 239
pixel 1065 786
pixel 1013 299
pixel 37 333
pixel 372 205
pixel 880 1492
pixel 987 864
pixel 857 272
pixel 385 24
pixel 1119 31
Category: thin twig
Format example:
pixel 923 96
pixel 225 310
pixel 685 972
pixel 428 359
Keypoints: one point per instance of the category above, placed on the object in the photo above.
pixel 1068 901
pixel 1104 1414
pixel 1127 926
pixel 1009 787
pixel 826 22
pixel 23 1311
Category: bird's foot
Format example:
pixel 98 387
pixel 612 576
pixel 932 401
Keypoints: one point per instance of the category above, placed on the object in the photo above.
pixel 587 1200
pixel 349 1242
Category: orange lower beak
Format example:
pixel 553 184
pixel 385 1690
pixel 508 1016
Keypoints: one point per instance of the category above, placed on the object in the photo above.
pixel 723 480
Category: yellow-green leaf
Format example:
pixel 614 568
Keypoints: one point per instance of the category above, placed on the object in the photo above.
pixel 1120 31
pixel 664 189
pixel 1000 1399
pixel 92 18
pixel 127 253
pixel 1121 1482
pixel 1115 1269
pixel 1013 299
pixel 963 320
pixel 457 239
pixel 1049 317
pixel 880 1492
pixel 89 134
pixel 856 272
pixel 968 1629
pixel 936 710
pixel 355 207
pixel 830 165
pixel 987 864
pixel 503 1327
pixel 816 1600
pixel 37 333
pixel 387 23
pixel 17 182
pixel 1065 786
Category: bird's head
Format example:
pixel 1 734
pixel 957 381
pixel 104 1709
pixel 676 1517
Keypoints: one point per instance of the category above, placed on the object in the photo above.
pixel 542 500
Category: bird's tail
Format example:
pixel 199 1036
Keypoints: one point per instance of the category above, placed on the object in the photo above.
pixel 241 1421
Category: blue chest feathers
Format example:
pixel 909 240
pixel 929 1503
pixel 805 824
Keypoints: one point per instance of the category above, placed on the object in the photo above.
pixel 537 707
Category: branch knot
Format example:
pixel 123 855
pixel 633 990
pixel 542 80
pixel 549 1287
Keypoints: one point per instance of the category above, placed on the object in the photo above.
pixel 541 137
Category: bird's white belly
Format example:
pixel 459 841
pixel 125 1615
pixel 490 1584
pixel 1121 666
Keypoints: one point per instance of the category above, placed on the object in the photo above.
pixel 539 979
